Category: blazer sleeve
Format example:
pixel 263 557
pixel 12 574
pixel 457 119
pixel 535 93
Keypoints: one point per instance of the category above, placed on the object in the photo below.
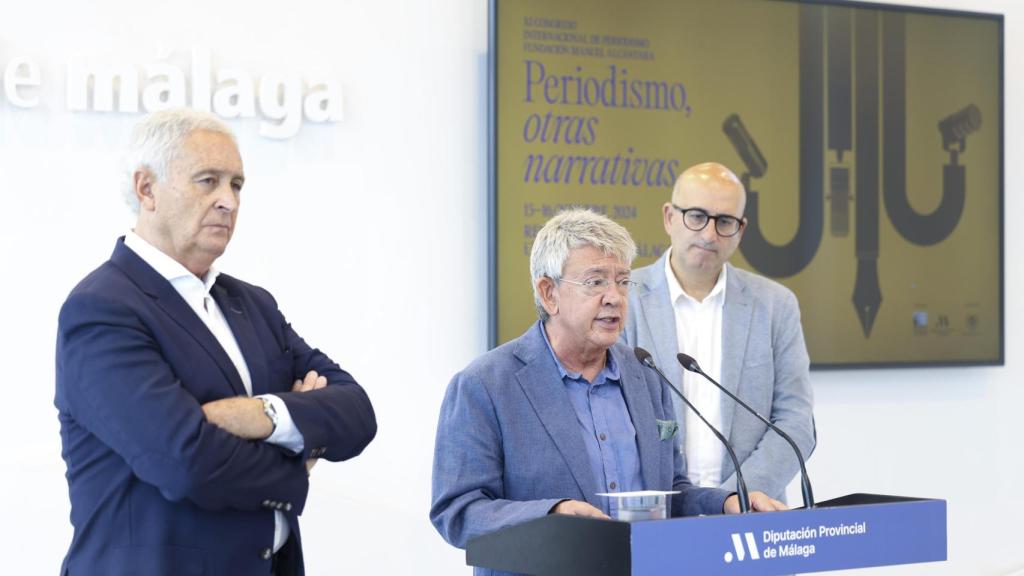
pixel 771 465
pixel 336 422
pixel 115 383
pixel 468 495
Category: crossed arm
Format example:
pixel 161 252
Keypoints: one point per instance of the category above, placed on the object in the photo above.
pixel 330 411
pixel 114 381
pixel 244 416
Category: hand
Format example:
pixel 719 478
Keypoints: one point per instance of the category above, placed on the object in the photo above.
pixel 240 415
pixel 577 508
pixel 244 417
pixel 759 502
pixel 312 381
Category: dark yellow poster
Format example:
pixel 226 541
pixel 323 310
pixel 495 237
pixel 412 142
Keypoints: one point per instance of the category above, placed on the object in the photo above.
pixel 868 138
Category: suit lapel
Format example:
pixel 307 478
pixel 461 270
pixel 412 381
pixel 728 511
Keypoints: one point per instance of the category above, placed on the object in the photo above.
pixel 167 299
pixel 638 401
pixel 736 316
pixel 659 317
pixel 241 326
pixel 546 394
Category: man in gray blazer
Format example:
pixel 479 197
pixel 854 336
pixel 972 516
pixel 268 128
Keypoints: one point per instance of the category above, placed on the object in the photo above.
pixel 543 423
pixel 743 329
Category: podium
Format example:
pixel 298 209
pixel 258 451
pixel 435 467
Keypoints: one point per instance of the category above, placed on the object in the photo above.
pixel 855 531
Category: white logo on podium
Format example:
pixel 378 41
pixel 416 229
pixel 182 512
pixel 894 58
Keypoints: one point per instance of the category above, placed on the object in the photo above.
pixel 741 552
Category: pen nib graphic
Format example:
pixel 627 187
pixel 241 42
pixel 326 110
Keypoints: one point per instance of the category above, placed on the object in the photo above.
pixel 867 297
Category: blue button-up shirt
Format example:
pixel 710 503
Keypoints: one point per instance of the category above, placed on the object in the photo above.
pixel 605 425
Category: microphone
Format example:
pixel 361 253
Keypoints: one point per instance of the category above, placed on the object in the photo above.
pixel 745 146
pixel 805 483
pixel 741 486
pixel 955 127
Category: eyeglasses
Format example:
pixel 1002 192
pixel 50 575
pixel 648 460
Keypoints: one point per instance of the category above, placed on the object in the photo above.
pixel 696 219
pixel 595 286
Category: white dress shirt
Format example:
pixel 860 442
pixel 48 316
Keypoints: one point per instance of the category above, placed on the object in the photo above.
pixel 196 293
pixel 699 334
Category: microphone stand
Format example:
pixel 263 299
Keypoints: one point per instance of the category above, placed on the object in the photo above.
pixel 805 482
pixel 741 486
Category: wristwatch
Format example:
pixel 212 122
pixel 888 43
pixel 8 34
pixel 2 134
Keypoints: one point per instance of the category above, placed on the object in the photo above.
pixel 271 412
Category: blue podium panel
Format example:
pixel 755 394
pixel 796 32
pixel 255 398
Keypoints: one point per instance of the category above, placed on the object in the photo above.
pixel 796 541
pixel 855 531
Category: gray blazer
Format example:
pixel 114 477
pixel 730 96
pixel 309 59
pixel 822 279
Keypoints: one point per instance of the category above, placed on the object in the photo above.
pixel 764 362
pixel 509 447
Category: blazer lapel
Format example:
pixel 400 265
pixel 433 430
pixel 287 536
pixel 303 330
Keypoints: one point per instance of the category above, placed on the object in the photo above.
pixel 546 394
pixel 638 401
pixel 241 326
pixel 736 316
pixel 168 300
pixel 659 316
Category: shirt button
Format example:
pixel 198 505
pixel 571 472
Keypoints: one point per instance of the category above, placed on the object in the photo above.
pixel 603 437
pixel 613 485
pixel 266 553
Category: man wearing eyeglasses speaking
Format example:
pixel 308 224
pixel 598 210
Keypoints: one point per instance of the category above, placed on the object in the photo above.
pixel 743 330
pixel 544 423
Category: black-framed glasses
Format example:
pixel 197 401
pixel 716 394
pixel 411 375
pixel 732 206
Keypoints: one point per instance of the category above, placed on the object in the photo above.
pixel 697 219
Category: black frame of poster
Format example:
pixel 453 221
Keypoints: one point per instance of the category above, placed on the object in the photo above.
pixel 493 146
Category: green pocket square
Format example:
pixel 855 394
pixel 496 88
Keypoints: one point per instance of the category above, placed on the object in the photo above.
pixel 667 428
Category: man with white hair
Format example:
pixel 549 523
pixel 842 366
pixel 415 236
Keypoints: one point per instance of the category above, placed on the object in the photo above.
pixel 544 423
pixel 190 411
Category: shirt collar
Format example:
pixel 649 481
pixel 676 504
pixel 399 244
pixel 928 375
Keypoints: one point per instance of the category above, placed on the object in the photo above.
pixel 168 267
pixel 609 372
pixel 675 289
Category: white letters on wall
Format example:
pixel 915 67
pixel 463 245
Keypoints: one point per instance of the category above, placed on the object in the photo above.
pixel 21 73
pixel 281 101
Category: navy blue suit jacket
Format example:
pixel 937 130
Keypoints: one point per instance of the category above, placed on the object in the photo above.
pixel 155 489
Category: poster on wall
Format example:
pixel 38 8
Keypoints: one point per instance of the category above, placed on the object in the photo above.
pixel 868 137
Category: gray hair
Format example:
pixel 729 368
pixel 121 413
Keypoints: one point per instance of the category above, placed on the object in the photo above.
pixel 568 230
pixel 157 140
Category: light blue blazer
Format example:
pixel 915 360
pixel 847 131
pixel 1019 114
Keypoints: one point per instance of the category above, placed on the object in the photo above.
pixel 509 448
pixel 764 362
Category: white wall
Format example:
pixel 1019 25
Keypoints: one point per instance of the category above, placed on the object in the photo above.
pixel 372 234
